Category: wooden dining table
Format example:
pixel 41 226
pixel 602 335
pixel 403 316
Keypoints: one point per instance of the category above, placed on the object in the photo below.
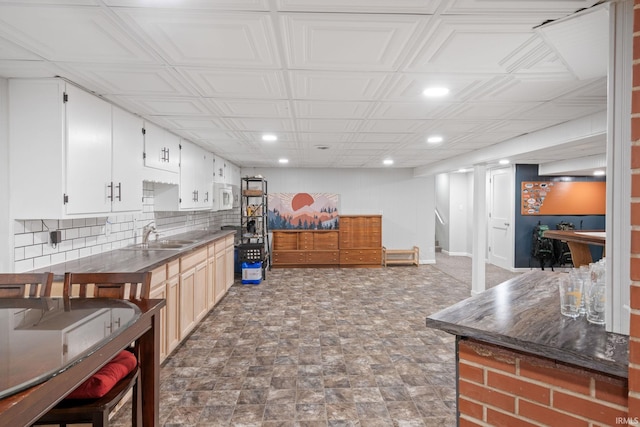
pixel 578 242
pixel 29 396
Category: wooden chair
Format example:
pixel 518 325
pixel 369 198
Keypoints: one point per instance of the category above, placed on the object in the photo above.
pixel 20 285
pixel 96 411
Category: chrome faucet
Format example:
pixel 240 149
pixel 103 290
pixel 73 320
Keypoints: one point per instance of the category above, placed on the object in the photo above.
pixel 147 230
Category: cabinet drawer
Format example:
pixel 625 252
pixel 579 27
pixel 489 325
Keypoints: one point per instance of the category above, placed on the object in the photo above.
pixel 173 268
pixel 325 241
pixel 191 260
pixel 305 240
pixel 323 257
pixel 286 241
pixel 289 257
pixel 158 276
pixel 361 256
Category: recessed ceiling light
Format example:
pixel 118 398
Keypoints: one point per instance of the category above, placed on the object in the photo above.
pixel 435 91
pixel 283 161
pixel 269 137
pixel 435 139
pixel 463 170
pixel 504 162
pixel 599 173
pixel 388 162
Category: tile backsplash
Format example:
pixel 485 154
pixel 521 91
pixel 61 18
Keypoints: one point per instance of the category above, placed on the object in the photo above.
pixel 90 236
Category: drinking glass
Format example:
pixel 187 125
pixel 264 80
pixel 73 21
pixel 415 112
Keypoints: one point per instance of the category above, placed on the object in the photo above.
pixel 570 295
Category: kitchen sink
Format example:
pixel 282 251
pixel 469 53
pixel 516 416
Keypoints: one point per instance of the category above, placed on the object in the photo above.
pixel 164 244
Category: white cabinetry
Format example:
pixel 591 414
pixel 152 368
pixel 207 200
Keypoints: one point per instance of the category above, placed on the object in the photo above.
pixel 161 149
pixel 126 186
pixel 195 177
pixel 64 160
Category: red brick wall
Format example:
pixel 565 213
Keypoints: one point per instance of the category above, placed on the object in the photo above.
pixel 634 334
pixel 501 387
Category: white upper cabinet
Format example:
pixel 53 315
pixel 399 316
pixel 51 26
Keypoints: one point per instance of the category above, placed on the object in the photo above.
pixel 196 182
pixel 127 161
pixel 161 149
pixel 61 150
pixel 195 177
pixel 219 170
pixel 233 174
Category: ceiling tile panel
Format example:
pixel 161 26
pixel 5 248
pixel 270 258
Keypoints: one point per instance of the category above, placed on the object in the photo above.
pixel 53 33
pixel 348 42
pixel 409 110
pixel 28 69
pixel 550 9
pixel 328 125
pixel 363 6
pixel 196 37
pixel 259 5
pixel 337 85
pixel 470 43
pixel 262 125
pixel 392 126
pixel 129 80
pixel 328 109
pixel 170 106
pixel 238 83
pixel 252 108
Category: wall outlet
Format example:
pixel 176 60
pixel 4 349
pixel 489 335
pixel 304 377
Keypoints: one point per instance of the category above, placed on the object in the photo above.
pixel 56 237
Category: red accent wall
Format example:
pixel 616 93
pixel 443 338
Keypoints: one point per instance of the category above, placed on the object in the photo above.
pixel 501 387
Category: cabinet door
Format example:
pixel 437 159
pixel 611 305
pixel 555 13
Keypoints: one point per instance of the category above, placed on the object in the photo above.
pixel 173 308
pixel 88 153
pixel 228 265
pixel 160 292
pixel 161 148
pixel 211 282
pixel 285 240
pixel 200 291
pixel 206 179
pixel 127 162
pixel 221 275
pixel 188 176
pixel 187 314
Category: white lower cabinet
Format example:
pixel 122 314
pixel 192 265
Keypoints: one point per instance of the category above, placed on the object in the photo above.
pixel 165 285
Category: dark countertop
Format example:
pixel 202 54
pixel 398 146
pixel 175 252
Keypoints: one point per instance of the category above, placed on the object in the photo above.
pixel 524 314
pixel 124 260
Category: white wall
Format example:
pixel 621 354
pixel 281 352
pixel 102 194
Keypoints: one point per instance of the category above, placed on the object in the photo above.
pixel 406 203
pixel 6 235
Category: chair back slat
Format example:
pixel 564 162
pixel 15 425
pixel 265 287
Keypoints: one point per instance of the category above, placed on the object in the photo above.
pixel 25 285
pixel 107 285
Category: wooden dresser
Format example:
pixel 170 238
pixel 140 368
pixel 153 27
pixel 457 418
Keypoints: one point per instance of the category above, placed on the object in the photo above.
pixel 357 243
pixel 360 240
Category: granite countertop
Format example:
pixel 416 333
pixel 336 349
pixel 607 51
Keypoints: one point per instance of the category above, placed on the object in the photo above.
pixel 524 314
pixel 125 260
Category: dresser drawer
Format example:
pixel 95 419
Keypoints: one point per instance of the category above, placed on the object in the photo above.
pixel 323 257
pixel 361 256
pixel 288 257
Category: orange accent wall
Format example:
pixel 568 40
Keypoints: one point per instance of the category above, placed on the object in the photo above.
pixel 564 198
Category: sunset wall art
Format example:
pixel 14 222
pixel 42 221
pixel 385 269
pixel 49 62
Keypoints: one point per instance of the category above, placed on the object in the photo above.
pixel 303 211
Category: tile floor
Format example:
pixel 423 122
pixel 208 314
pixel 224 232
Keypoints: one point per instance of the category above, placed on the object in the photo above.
pixel 318 347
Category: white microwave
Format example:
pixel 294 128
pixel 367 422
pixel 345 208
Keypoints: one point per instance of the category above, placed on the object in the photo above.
pixel 225 198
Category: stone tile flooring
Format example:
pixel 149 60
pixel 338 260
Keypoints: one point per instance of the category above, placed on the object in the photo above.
pixel 318 347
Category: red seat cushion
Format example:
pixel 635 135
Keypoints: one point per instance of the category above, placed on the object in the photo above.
pixel 102 381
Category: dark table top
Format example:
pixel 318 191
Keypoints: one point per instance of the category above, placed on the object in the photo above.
pixel 125 261
pixel 524 314
pixel 45 336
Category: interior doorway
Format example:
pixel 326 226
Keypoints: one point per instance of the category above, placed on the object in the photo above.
pixel 500 224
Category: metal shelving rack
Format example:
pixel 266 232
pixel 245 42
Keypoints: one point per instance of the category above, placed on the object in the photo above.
pixel 254 243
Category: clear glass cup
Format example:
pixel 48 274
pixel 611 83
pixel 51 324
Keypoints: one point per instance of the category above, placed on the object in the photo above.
pixel 596 302
pixel 570 288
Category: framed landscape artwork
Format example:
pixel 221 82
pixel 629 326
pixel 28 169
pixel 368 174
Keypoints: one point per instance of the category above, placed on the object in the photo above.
pixel 303 211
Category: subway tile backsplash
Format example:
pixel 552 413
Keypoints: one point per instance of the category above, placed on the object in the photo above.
pixel 84 237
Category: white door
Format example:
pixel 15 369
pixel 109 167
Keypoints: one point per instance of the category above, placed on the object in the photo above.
pixel 500 217
pixel 127 161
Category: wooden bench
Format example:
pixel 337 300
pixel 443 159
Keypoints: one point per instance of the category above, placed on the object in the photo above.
pixel 400 256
